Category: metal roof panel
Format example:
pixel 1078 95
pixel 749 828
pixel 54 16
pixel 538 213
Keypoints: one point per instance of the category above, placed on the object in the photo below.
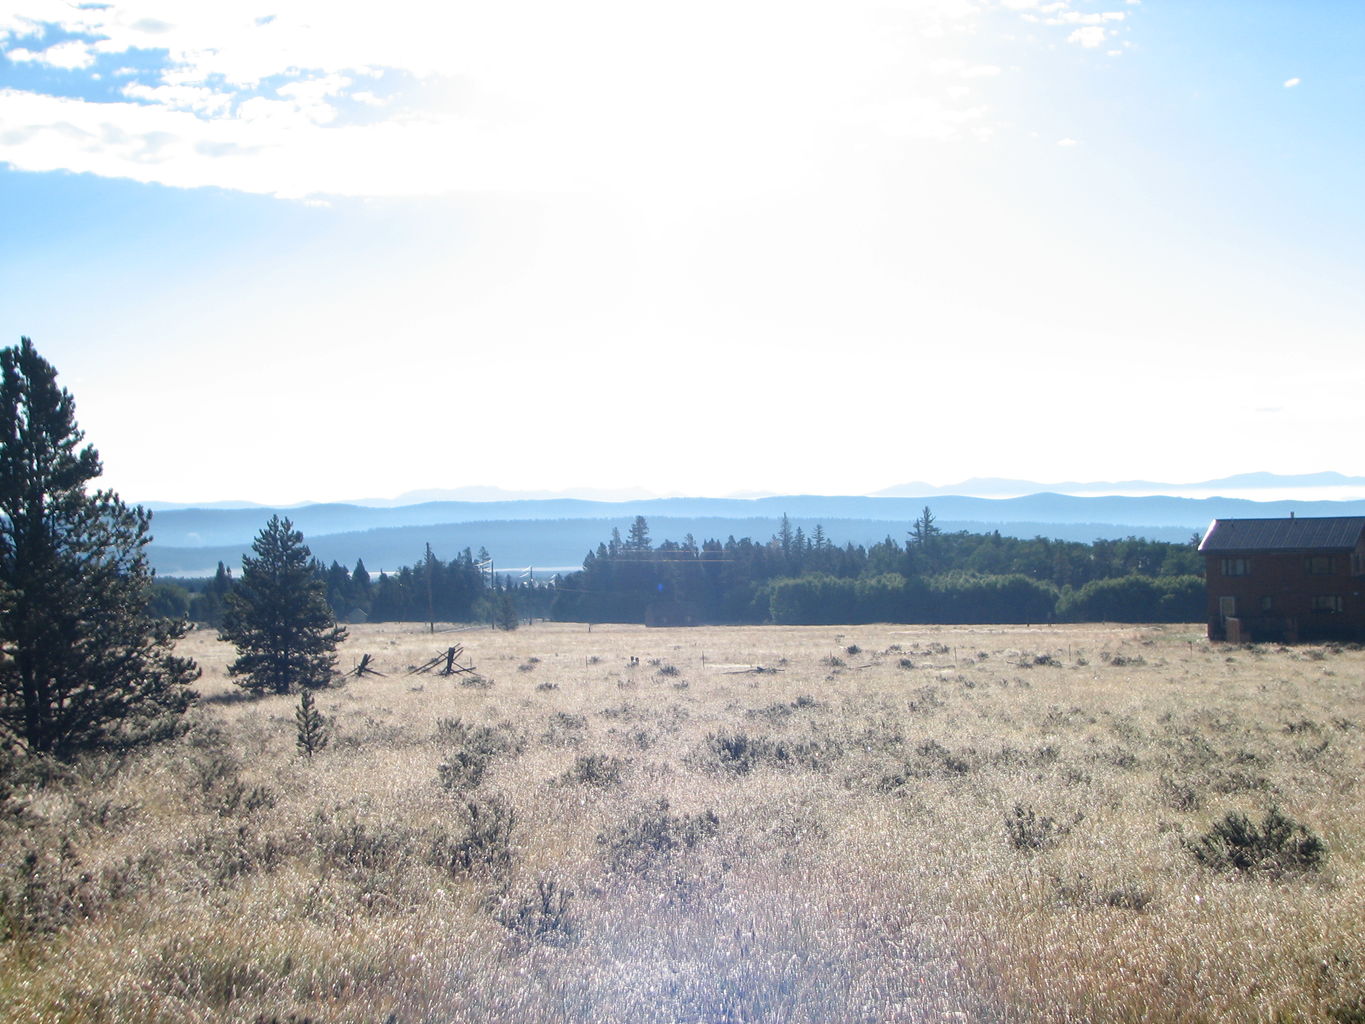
pixel 1294 534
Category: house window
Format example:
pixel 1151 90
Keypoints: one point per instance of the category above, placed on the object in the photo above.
pixel 1318 565
pixel 1236 566
pixel 1357 564
pixel 1267 603
pixel 1327 604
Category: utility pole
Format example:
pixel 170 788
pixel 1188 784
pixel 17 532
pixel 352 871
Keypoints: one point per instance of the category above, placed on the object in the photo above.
pixel 431 615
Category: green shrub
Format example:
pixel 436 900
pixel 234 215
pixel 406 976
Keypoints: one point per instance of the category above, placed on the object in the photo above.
pixel 540 916
pixel 476 748
pixel 1027 831
pixel 485 843
pixel 932 759
pixel 594 770
pixel 740 753
pixel 1135 598
pixel 355 847
pixel 653 833
pixel 1278 846
pixel 45 888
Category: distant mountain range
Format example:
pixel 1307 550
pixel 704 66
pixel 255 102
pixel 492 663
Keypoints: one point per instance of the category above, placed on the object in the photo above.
pixel 558 532
pixel 975 487
pixel 986 487
pixel 438 494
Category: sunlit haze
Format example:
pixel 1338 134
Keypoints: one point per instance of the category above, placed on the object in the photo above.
pixel 318 251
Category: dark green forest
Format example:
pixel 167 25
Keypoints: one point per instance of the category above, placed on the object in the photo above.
pixel 430 590
pixel 930 576
pixel 792 578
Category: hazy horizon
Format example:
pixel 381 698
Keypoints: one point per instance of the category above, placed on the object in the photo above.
pixel 984 487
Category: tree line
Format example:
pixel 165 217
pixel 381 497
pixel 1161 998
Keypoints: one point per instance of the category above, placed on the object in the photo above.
pixel 792 578
pixel 462 589
pixel 933 576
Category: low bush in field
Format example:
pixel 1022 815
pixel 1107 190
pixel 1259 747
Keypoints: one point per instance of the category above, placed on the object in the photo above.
pixel 1277 846
pixel 740 753
pixel 931 759
pixel 653 833
pixel 594 770
pixel 482 843
pixel 474 748
pixel 1030 832
pixel 541 914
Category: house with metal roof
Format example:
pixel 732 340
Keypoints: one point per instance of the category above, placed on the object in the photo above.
pixel 1285 579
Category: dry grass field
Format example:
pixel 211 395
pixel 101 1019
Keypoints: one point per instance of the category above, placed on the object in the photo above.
pixel 863 823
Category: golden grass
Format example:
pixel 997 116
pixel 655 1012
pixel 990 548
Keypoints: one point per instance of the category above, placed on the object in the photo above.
pixel 858 867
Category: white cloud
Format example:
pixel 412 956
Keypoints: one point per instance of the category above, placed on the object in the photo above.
pixel 70 55
pixel 198 99
pixel 1289 84
pixel 1067 143
pixel 1089 27
pixel 606 94
pixel 1090 37
pixel 1076 18
pixel 270 146
pixel 603 95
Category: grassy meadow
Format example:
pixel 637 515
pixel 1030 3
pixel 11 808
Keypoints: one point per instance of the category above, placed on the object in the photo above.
pixel 794 824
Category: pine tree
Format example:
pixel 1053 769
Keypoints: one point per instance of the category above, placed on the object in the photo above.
pixel 82 661
pixel 637 539
pixel 923 548
pixel 506 612
pixel 311 726
pixel 923 532
pixel 278 616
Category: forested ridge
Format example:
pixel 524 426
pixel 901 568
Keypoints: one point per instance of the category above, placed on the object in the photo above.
pixel 791 578
pixel 932 576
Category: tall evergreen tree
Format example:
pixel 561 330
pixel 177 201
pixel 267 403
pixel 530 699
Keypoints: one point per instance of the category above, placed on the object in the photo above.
pixel 923 532
pixel 637 539
pixel 82 661
pixel 278 616
pixel 505 612
pixel 339 589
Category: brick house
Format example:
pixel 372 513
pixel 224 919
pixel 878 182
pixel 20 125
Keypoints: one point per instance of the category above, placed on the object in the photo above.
pixel 1285 579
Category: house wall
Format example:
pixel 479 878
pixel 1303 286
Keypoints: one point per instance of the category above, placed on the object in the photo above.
pixel 1284 579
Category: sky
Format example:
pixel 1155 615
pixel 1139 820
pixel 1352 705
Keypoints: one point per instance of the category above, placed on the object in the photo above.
pixel 314 250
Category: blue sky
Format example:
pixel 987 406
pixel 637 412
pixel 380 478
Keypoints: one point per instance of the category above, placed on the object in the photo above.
pixel 302 251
